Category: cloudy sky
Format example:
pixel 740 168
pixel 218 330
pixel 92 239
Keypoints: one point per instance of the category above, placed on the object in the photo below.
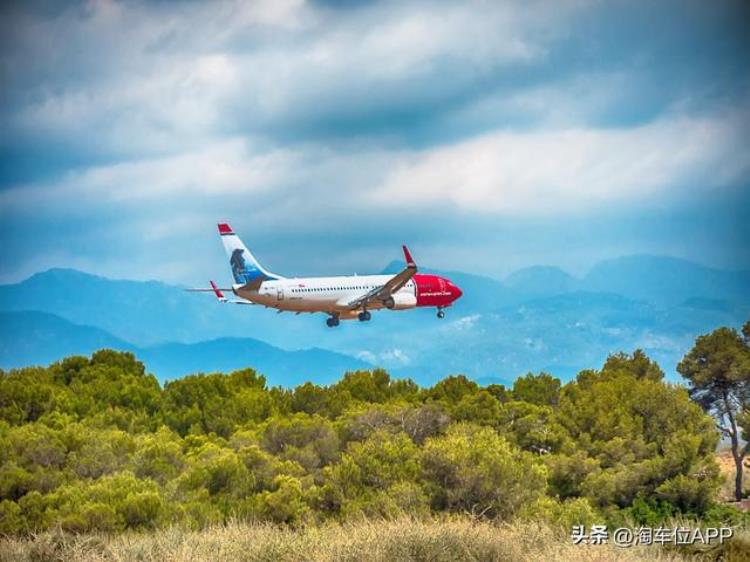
pixel 487 135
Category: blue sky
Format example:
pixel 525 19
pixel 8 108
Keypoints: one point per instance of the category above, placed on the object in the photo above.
pixel 488 135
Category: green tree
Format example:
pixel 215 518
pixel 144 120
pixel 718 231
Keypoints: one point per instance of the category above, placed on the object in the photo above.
pixel 473 469
pixel 285 503
pixel 531 427
pixel 500 392
pixel 423 421
pixel 638 364
pixel 309 440
pixel 418 422
pixel 642 433
pixel 542 389
pixel 112 385
pixel 27 394
pixel 374 386
pixel 11 519
pixel 376 477
pixel 159 456
pixel 310 399
pixel 216 403
pixel 95 444
pixel 718 369
pixel 218 470
pixel 452 389
pixel 481 408
pixel 262 465
pixel 112 503
pixel 99 451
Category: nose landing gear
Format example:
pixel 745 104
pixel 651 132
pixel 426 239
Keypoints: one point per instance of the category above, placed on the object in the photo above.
pixel 440 312
pixel 364 316
pixel 332 321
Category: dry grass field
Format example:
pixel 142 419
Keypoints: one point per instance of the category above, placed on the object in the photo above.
pixel 403 539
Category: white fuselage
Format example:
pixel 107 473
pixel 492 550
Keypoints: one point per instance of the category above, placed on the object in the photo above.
pixel 324 294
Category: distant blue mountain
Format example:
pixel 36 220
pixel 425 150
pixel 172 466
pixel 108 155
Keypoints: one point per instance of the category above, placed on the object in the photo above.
pixel 542 280
pixel 537 318
pixel 281 367
pixel 38 338
pixel 140 312
pixel 150 312
pixel 659 280
pixel 667 281
pixel 541 318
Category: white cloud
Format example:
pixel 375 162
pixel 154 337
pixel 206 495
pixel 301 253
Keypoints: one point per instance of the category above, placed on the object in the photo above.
pixel 367 356
pixel 467 322
pixel 221 168
pixel 220 109
pixel 553 171
pixel 388 357
pixel 532 173
pixel 132 79
pixel 395 355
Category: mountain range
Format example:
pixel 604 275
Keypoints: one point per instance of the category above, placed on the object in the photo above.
pixel 38 338
pixel 537 318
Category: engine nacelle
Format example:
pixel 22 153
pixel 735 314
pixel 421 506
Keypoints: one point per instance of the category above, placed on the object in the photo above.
pixel 400 301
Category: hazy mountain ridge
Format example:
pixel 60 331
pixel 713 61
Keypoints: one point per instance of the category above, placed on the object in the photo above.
pixel 660 280
pixel 39 338
pixel 122 308
pixel 536 318
pixel 666 280
pixel 542 280
pixel 281 367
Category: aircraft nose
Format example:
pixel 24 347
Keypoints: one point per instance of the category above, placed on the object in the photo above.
pixel 456 292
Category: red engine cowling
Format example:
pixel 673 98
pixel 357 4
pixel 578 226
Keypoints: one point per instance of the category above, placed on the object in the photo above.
pixel 401 301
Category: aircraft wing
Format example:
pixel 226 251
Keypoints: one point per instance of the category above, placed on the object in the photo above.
pixel 391 286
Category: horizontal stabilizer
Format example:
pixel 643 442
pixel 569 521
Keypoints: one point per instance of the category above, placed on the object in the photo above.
pixel 213 289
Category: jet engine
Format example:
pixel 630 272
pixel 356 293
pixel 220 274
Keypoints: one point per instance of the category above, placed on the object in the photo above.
pixel 400 301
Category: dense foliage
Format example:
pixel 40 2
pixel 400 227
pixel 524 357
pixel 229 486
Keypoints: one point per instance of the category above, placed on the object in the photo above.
pixel 97 444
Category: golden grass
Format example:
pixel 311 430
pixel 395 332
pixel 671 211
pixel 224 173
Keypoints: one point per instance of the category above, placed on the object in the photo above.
pixel 727 469
pixel 367 540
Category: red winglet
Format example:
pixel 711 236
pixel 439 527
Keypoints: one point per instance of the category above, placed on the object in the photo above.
pixel 225 229
pixel 407 257
pixel 217 291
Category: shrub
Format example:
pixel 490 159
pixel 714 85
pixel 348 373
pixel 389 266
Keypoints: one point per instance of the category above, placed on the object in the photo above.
pixel 473 469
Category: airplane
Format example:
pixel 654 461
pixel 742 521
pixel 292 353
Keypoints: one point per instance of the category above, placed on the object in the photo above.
pixel 341 298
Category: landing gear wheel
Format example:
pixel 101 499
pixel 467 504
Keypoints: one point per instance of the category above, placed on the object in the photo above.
pixel 364 316
pixel 332 322
pixel 440 313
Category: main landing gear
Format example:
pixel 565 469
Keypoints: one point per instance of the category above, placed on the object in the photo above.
pixel 440 312
pixel 332 321
pixel 364 316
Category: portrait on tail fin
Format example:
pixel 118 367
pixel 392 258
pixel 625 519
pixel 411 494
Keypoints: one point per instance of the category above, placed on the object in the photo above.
pixel 238 264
